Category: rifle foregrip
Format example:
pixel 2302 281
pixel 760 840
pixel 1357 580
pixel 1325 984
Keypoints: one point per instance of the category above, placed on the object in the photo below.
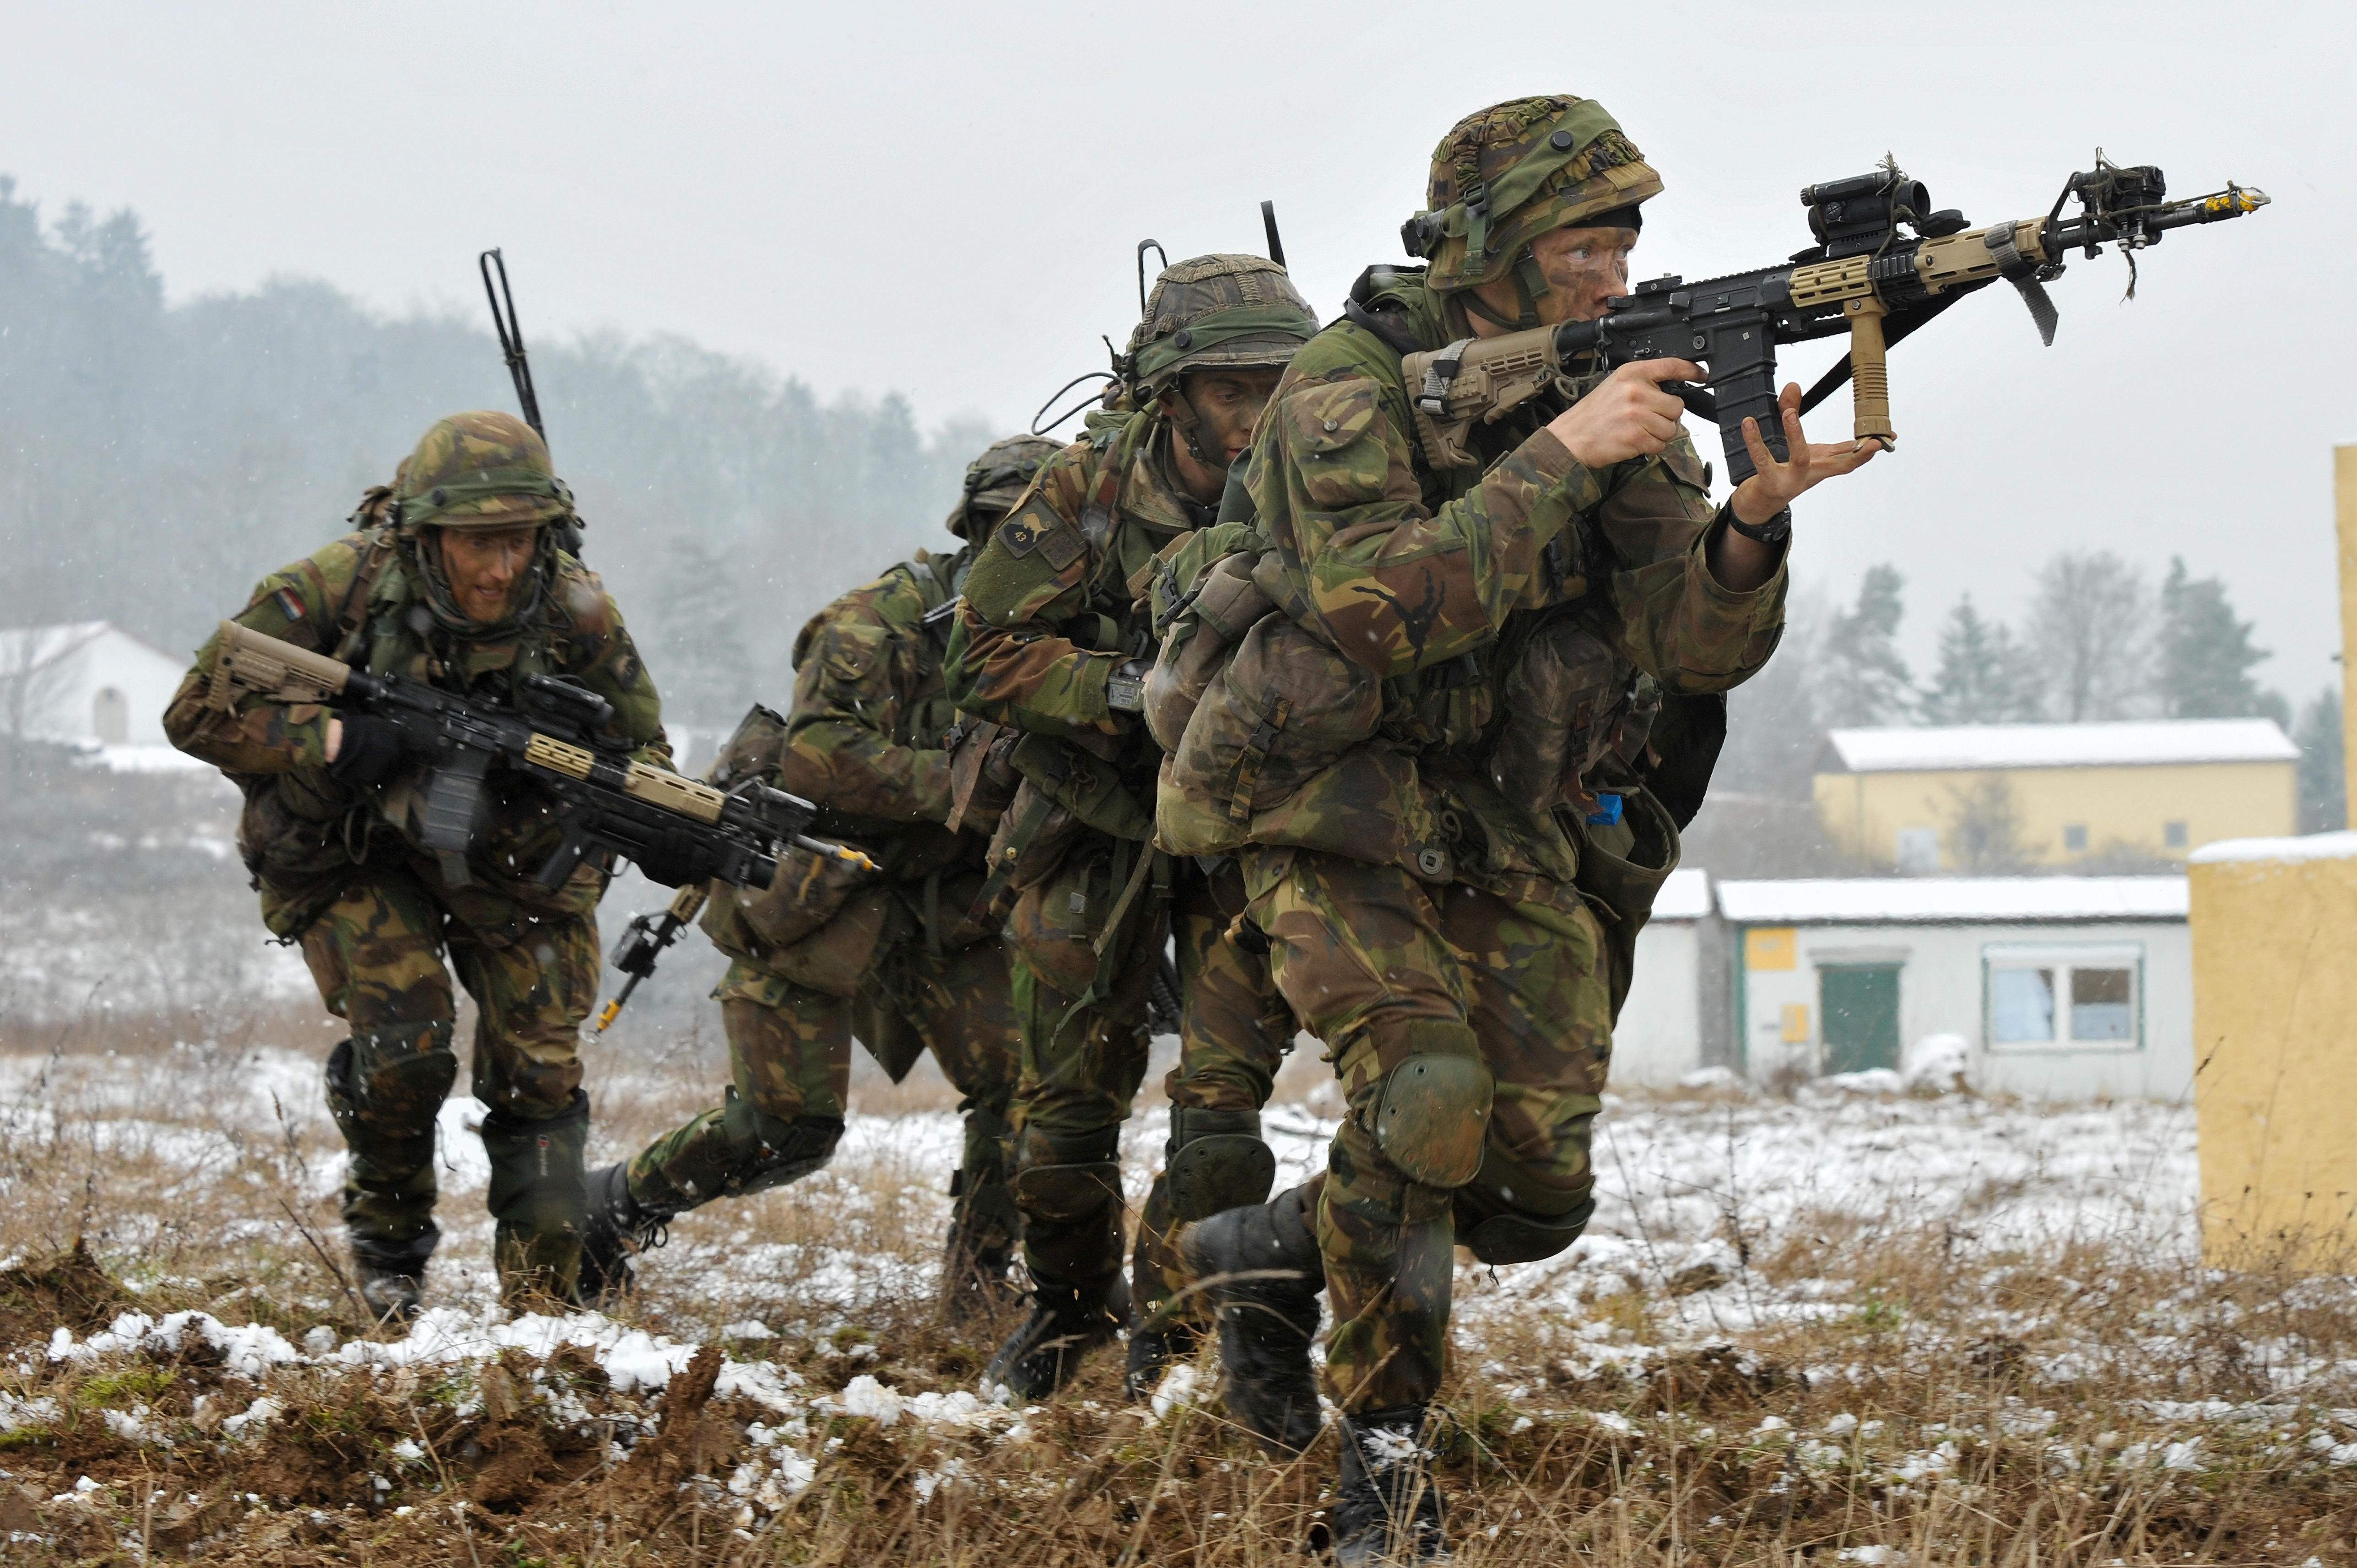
pixel 1869 369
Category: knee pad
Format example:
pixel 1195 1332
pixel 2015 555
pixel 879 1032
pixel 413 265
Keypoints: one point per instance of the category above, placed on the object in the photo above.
pixel 1216 1161
pixel 766 1151
pixel 391 1083
pixel 1432 1108
pixel 1526 1237
pixel 1068 1193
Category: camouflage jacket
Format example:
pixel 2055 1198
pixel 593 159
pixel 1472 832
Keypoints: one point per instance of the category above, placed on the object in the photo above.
pixel 1051 611
pixel 303 831
pixel 867 736
pixel 1432 581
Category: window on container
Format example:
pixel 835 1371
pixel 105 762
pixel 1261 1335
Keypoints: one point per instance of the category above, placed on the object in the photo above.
pixel 2173 835
pixel 2074 837
pixel 2063 994
pixel 2022 1005
pixel 2102 1004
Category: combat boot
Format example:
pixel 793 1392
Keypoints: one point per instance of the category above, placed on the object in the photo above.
pixel 1386 1509
pixel 618 1226
pixel 1065 1324
pixel 1155 1342
pixel 1261 1271
pixel 391 1275
pixel 981 1249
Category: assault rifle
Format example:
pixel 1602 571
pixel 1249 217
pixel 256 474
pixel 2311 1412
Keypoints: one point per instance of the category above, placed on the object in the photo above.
pixel 606 803
pixel 1868 275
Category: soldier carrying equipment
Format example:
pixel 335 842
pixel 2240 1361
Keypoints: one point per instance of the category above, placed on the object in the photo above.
pixel 1866 275
pixel 676 830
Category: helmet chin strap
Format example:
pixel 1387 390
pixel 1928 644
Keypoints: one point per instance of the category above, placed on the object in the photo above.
pixel 1187 424
pixel 1530 283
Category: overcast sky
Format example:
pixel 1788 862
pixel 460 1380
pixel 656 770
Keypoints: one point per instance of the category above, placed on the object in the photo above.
pixel 942 200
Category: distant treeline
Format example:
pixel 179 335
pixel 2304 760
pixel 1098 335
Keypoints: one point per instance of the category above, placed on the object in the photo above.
pixel 154 460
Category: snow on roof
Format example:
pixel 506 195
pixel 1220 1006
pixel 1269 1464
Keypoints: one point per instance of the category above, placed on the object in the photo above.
pixel 1920 900
pixel 2132 744
pixel 1685 896
pixel 2313 846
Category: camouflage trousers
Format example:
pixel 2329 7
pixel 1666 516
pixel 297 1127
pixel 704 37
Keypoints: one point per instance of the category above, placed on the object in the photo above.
pixel 1235 1030
pixel 1471 1033
pixel 790 1069
pixel 377 955
pixel 1085 1046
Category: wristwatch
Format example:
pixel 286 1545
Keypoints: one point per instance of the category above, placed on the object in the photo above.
pixel 1775 531
pixel 1125 692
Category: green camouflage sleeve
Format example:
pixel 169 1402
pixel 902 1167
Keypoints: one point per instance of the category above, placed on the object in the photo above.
pixel 1392 585
pixel 840 749
pixel 298 604
pixel 1671 618
pixel 599 652
pixel 1012 658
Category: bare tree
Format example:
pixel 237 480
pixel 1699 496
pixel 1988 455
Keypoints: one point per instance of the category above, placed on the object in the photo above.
pixel 1985 829
pixel 2092 625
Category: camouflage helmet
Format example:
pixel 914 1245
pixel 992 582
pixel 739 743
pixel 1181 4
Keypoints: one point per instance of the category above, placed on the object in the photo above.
pixel 1218 312
pixel 996 480
pixel 1504 177
pixel 483 469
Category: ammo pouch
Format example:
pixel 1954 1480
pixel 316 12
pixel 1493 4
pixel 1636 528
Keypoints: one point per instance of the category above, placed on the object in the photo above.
pixel 291 835
pixel 1563 683
pixel 1033 836
pixel 1223 609
pixel 1285 708
pixel 1625 881
pixel 807 892
pixel 834 959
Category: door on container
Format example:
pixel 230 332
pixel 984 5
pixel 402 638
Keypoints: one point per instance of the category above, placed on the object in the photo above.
pixel 1859 1007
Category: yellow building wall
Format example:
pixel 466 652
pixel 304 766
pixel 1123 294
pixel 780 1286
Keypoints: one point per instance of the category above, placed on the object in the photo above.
pixel 2119 807
pixel 2274 992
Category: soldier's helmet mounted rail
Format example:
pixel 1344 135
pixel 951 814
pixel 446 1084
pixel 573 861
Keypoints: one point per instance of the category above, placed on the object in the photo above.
pixel 480 469
pixel 1515 171
pixel 1217 312
pixel 996 480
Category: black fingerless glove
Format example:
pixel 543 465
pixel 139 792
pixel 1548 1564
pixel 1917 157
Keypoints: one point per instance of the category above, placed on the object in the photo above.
pixel 371 750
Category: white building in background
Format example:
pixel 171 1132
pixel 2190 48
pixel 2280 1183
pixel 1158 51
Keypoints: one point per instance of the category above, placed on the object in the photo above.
pixel 1675 1017
pixel 89 685
pixel 2058 987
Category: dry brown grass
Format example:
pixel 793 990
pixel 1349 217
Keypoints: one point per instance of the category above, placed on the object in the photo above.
pixel 1953 1403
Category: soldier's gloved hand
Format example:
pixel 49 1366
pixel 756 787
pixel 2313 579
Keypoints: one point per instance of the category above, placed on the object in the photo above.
pixel 1126 693
pixel 675 860
pixel 369 749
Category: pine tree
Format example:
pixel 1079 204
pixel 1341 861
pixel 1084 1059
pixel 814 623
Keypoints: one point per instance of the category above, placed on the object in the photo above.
pixel 1985 676
pixel 694 645
pixel 1865 682
pixel 2090 623
pixel 2323 790
pixel 2205 653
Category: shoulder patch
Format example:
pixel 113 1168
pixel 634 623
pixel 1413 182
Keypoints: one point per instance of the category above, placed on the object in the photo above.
pixel 1050 536
pixel 290 604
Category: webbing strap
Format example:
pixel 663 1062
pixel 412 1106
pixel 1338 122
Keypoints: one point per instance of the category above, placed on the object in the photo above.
pixel 1256 753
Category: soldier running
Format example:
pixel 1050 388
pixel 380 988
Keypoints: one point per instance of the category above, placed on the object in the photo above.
pixel 454 578
pixel 825 954
pixel 1453 760
pixel 1052 642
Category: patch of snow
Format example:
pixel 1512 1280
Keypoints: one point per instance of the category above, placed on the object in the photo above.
pixel 2308 846
pixel 1903 900
pixel 2129 744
